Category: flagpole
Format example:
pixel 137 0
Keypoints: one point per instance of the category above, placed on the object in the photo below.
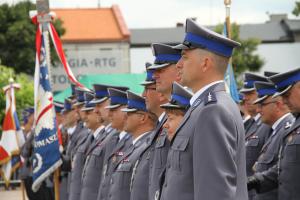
pixel 227 7
pixel 23 190
pixel 44 19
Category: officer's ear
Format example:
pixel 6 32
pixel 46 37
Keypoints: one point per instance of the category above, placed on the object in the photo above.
pixel 143 118
pixel 162 97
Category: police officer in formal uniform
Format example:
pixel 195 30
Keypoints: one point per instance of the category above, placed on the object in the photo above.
pixel 164 73
pixel 285 175
pixel 207 155
pixel 120 140
pixel 140 124
pixel 78 159
pixel 76 132
pixel 144 164
pixel 258 132
pixel 175 110
pixel 276 114
pixel 92 171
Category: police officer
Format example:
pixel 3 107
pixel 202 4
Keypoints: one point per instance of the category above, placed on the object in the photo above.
pixel 82 146
pixel 258 132
pixel 164 74
pixel 120 140
pixel 141 182
pixel 207 155
pixel 76 133
pixel 140 124
pixel 276 114
pixel 92 171
pixel 285 175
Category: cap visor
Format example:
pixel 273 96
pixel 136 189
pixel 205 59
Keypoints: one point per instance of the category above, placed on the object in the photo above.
pixel 128 110
pixel 112 106
pixel 245 90
pixel 171 106
pixel 99 100
pixel 78 103
pixel 181 47
pixel 282 92
pixel 259 100
pixel 147 83
pixel 154 67
pixel 87 109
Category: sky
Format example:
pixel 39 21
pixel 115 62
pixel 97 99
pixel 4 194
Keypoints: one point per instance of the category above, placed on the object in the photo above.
pixel 166 13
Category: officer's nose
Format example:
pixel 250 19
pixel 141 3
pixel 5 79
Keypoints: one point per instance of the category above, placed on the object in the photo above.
pixel 155 75
pixel 179 64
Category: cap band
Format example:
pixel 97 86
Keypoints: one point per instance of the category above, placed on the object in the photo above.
pixel 209 44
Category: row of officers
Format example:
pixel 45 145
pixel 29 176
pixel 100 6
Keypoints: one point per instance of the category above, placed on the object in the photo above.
pixel 184 138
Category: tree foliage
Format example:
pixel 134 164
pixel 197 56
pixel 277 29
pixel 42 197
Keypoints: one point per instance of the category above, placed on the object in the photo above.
pixel 24 96
pixel 244 58
pixel 296 10
pixel 17 36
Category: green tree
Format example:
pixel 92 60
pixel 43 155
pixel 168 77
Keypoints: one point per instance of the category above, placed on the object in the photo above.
pixel 244 58
pixel 296 10
pixel 24 96
pixel 17 37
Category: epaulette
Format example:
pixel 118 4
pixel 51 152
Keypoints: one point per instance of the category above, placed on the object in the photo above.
pixel 210 98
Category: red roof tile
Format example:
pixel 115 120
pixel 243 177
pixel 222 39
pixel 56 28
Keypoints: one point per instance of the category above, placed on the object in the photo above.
pixel 93 24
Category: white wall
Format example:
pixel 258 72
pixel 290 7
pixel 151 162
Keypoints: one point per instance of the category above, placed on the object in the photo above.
pixel 278 57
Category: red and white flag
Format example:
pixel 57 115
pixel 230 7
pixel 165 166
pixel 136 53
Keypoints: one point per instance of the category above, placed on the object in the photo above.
pixel 12 135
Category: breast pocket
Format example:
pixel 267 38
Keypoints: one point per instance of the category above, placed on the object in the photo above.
pixel 160 154
pixel 97 156
pixel 252 142
pixel 178 147
pixel 292 150
pixel 124 174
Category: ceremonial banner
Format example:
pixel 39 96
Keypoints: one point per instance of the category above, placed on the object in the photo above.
pixel 12 136
pixel 46 158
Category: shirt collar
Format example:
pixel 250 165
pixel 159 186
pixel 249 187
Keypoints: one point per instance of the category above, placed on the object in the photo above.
pixel 108 127
pixel 246 118
pixel 71 130
pixel 199 92
pixel 138 138
pixel 275 125
pixel 122 134
pixel 97 131
pixel 161 116
pixel 257 117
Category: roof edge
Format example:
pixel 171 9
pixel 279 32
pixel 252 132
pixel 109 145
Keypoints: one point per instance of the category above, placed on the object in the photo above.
pixel 120 19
